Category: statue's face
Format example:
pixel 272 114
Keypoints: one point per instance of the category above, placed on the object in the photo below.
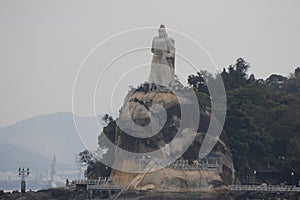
pixel 160 33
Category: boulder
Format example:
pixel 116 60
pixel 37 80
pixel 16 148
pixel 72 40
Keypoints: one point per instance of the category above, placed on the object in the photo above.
pixel 169 179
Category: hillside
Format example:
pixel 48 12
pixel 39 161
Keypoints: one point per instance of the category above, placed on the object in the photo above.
pixel 262 123
pixel 44 136
pixel 13 156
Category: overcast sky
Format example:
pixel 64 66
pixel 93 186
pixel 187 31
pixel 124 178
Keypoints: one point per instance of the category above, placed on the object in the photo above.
pixel 43 43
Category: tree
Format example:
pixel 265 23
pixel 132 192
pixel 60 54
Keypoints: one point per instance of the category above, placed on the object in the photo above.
pixel 250 144
pixel 251 79
pixel 292 85
pixel 87 158
pixel 198 83
pixel 107 118
pixel 237 74
pixel 296 73
pixel 293 159
pixel 95 168
pixel 275 81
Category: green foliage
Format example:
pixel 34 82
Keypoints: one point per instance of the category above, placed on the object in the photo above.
pixel 87 158
pixel 109 130
pixel 95 168
pixel 275 81
pixel 236 75
pixel 262 121
pixel 263 125
pixel 203 100
pixel 293 153
pixel 198 82
pixel 250 143
pixel 106 118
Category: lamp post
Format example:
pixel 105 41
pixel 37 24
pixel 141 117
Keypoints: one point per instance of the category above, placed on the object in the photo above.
pixel 23 173
pixel 292 174
pixel 254 176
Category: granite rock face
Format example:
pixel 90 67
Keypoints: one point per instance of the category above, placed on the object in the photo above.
pixel 171 179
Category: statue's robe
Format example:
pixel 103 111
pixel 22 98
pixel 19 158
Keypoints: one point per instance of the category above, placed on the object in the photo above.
pixel 162 65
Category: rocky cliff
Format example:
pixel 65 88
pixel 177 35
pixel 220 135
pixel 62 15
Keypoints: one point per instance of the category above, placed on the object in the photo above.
pixel 188 173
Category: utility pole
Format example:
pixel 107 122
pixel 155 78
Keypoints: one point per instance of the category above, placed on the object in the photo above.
pixel 23 173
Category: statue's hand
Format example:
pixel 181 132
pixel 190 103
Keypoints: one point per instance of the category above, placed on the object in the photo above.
pixel 170 55
pixel 157 51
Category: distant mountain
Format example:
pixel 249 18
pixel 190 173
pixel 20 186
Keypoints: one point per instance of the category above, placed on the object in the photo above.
pixel 39 138
pixel 13 156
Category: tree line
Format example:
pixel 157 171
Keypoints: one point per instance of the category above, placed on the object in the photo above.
pixel 262 121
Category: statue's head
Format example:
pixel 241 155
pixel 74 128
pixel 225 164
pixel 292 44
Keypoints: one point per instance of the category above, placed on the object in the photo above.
pixel 162 31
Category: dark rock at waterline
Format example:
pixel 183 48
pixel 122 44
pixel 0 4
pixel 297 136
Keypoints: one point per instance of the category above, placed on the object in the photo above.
pixel 50 194
pixel 265 195
pixel 79 194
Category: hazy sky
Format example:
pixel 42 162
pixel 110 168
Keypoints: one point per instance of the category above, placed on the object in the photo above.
pixel 42 43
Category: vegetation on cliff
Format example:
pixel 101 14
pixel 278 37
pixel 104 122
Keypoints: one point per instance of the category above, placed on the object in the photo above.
pixel 262 120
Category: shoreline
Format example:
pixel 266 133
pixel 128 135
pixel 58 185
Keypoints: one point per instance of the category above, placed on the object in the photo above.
pixel 82 194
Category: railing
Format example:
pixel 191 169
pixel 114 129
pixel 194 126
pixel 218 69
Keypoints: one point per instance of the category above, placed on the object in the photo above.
pixel 180 164
pixel 270 188
pixel 195 167
pixel 104 187
pixel 100 184
pixel 90 182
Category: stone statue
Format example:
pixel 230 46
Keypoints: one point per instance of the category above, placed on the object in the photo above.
pixel 163 61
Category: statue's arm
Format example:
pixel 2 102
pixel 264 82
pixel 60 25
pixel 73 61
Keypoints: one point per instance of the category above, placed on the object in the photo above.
pixel 171 48
pixel 152 48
